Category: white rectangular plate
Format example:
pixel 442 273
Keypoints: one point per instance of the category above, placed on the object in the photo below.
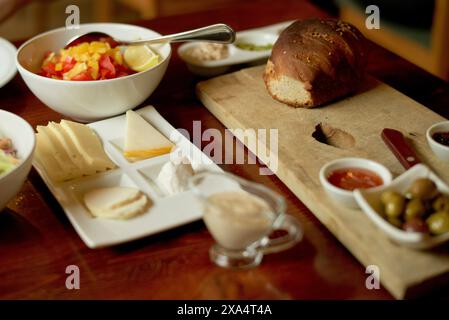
pixel 167 212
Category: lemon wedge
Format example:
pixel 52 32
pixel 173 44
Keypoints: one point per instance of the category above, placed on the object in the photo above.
pixel 140 58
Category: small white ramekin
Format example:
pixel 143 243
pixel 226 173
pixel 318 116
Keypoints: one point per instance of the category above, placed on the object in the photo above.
pixel 440 150
pixel 343 196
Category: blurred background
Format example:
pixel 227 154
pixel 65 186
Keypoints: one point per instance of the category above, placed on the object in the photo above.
pixel 41 15
pixel 417 30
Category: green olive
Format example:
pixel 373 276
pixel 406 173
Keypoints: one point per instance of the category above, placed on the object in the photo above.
pixel 441 203
pixel 387 195
pixel 396 222
pixel 438 222
pixel 414 209
pixel 422 188
pixel 394 206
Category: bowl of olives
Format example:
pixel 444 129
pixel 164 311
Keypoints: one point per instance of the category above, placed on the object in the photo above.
pixel 413 210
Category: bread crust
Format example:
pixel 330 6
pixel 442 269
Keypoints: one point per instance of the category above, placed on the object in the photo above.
pixel 326 56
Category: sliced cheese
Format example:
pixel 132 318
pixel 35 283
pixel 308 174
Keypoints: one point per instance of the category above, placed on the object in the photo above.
pixel 142 140
pixel 45 158
pixel 88 145
pixel 63 137
pixel 116 202
pixel 127 211
pixel 110 198
pixel 53 146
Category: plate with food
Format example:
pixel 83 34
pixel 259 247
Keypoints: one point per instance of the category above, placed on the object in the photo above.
pixel 250 46
pixel 122 178
pixel 7 56
pixel 413 210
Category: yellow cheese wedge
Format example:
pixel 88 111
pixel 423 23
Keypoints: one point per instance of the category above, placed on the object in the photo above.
pixel 64 139
pixel 142 140
pixel 52 144
pixel 44 156
pixel 88 145
pixel 116 202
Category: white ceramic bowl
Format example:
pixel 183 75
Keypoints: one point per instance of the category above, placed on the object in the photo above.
pixel 439 149
pixel 369 201
pixel 23 139
pixel 89 100
pixel 7 56
pixel 343 196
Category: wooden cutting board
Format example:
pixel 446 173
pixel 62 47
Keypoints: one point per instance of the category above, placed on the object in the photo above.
pixel 240 100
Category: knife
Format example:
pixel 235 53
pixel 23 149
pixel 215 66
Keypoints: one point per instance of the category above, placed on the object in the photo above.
pixel 396 142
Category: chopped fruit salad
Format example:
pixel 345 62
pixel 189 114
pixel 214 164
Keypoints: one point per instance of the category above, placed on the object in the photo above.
pixel 8 156
pixel 96 60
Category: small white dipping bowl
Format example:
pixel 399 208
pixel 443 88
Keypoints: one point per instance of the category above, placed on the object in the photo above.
pixel 23 139
pixel 343 196
pixel 439 149
pixel 90 100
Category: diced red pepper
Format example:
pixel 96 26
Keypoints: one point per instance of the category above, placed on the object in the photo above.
pixel 107 69
pixel 49 69
pixel 83 76
pixel 66 67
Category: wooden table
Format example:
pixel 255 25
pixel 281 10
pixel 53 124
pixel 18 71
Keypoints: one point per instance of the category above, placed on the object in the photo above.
pixel 37 241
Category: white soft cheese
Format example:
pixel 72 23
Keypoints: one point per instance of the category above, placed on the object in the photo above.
pixel 175 174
